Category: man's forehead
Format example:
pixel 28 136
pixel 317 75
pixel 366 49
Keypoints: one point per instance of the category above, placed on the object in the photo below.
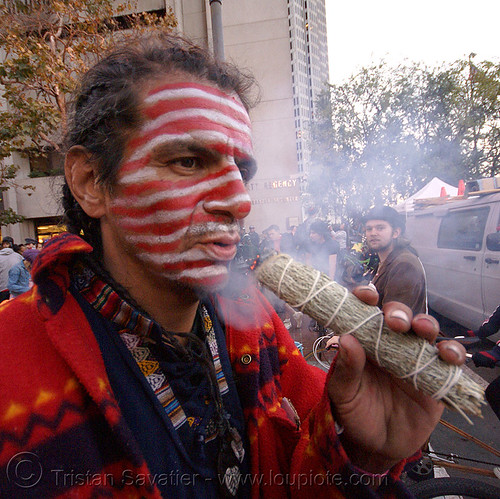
pixel 187 109
pixel 185 91
pixel 376 222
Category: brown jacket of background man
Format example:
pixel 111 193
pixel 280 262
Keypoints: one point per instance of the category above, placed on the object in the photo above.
pixel 400 277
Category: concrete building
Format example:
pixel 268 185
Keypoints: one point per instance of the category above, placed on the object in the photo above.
pixel 283 43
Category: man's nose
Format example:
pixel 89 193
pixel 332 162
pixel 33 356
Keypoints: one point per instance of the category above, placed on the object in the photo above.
pixel 230 195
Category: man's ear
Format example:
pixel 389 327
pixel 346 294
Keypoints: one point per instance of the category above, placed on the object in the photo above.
pixel 80 174
pixel 396 232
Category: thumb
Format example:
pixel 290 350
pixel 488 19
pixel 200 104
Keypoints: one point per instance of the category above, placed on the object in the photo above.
pixel 345 381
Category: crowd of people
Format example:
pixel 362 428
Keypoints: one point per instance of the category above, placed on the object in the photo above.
pixel 15 266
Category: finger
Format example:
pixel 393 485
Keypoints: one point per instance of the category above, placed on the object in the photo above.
pixel 367 294
pixel 397 316
pixel 452 352
pixel 332 342
pixel 346 379
pixel 426 327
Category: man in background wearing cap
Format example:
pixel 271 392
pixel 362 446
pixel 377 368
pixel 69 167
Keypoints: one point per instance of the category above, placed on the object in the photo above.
pixel 400 275
pixel 30 243
pixel 20 273
pixel 254 237
pixel 8 258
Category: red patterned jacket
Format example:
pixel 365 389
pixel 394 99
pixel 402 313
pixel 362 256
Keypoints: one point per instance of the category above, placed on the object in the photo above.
pixel 61 430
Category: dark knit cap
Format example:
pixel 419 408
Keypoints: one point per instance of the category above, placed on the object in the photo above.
pixel 388 214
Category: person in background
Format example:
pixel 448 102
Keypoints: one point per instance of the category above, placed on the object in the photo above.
pixel 254 237
pixel 323 249
pixel 489 358
pixel 7 242
pixel 321 254
pixel 400 274
pixel 488 328
pixel 8 258
pixel 303 230
pixel 19 274
pixel 30 243
pixel 271 240
pixel 20 248
pixel 340 235
pixel 288 243
pixel 143 360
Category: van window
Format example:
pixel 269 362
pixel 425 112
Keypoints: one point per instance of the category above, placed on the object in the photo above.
pixel 463 229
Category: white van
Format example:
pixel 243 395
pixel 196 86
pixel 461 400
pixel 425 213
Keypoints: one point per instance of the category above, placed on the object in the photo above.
pixel 459 245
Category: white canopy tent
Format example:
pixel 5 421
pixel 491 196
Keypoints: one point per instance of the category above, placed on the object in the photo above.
pixel 430 190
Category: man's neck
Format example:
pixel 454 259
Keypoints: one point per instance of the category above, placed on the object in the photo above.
pixel 384 253
pixel 172 306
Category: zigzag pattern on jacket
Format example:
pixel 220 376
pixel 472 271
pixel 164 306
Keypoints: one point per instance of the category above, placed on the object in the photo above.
pixel 35 420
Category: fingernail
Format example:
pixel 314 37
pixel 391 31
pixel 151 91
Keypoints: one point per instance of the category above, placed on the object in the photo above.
pixel 418 319
pixel 401 315
pixel 453 348
pixel 369 287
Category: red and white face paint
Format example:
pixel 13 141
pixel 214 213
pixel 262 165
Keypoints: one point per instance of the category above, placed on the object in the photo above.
pixel 179 192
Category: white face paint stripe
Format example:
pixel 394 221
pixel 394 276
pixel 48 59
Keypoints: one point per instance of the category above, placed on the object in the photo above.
pixel 199 273
pixel 207 136
pixel 205 272
pixel 159 217
pixel 156 239
pixel 186 93
pixel 191 255
pixel 231 176
pixel 239 198
pixel 216 117
pixel 146 173
pixel 207 229
pixel 165 216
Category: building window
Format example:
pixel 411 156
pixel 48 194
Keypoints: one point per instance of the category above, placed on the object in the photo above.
pixel 46 164
pixel 45 228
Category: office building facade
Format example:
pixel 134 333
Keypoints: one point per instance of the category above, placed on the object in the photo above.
pixel 283 43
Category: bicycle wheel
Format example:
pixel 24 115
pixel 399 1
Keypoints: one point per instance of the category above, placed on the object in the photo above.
pixel 462 487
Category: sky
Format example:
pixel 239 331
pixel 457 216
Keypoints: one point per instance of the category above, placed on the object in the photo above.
pixel 431 31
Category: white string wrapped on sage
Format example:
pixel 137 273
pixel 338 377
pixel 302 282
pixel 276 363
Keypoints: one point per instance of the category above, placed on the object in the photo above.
pixel 404 355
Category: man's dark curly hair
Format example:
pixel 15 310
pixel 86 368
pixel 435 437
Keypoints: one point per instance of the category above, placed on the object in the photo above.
pixel 106 107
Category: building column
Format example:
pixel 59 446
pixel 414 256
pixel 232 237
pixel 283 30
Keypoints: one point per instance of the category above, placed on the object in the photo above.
pixel 10 201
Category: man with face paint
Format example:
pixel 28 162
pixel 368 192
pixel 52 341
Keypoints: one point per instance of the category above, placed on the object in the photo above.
pixel 146 370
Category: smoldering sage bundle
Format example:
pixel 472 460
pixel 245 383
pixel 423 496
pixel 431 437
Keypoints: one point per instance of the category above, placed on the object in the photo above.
pixel 405 356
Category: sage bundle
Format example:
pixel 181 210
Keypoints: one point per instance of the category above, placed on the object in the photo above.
pixel 404 355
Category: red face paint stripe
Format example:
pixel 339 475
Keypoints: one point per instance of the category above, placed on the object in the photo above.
pixel 159 248
pixel 168 205
pixel 198 86
pixel 170 202
pixel 223 149
pixel 178 203
pixel 176 128
pixel 155 185
pixel 168 105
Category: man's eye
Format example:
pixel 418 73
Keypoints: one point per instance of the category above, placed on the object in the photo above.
pixel 247 170
pixel 188 163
